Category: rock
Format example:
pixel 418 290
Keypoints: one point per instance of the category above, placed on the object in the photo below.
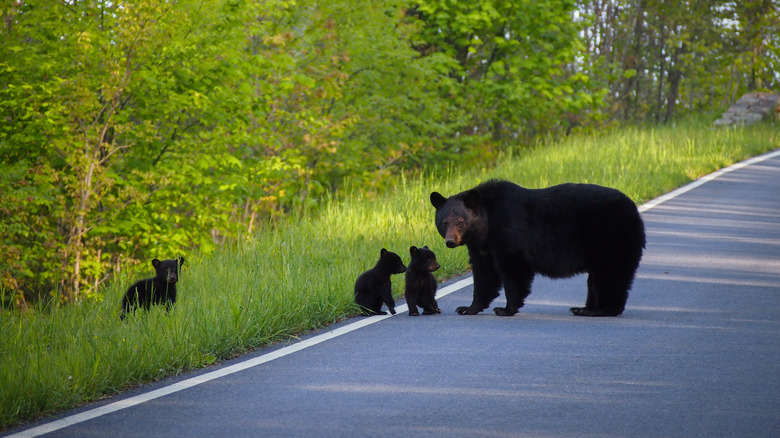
pixel 751 108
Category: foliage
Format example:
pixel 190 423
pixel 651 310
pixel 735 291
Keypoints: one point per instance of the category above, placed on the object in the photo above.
pixel 515 60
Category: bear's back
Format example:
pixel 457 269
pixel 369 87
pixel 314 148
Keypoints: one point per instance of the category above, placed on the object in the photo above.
pixel 562 229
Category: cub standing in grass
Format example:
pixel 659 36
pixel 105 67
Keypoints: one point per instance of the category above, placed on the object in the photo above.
pixel 420 282
pixel 513 233
pixel 160 289
pixel 374 287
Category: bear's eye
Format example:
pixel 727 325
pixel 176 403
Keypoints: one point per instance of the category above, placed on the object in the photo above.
pixel 460 224
pixel 445 223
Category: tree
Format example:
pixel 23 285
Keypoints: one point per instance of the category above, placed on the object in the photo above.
pixel 515 61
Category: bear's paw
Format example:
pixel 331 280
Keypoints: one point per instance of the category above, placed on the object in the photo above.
pixel 503 311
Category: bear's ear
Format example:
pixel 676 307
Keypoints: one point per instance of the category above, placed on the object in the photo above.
pixel 155 263
pixel 382 252
pixel 472 200
pixel 181 261
pixel 413 250
pixel 437 200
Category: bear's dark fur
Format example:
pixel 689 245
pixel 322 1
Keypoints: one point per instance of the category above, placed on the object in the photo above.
pixel 373 287
pixel 513 233
pixel 420 282
pixel 160 289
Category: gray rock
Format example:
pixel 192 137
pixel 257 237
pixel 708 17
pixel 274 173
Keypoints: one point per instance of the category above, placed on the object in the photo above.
pixel 751 108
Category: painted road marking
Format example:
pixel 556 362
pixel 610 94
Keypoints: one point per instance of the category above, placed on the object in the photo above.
pixel 216 374
pixel 705 179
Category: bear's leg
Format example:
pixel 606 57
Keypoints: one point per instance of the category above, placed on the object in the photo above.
pixel 607 295
pixel 429 304
pixel 487 282
pixel 387 298
pixel 612 293
pixel 365 311
pixel 411 302
pixel 590 302
pixel 361 301
pixel 517 286
pixel 431 309
pixel 376 308
pixel 373 306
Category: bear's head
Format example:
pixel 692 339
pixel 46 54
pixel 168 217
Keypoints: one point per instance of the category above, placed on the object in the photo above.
pixel 391 262
pixel 168 269
pixel 423 259
pixel 460 218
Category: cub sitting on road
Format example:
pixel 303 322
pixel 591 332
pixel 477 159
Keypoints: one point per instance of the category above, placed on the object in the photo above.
pixel 420 282
pixel 374 287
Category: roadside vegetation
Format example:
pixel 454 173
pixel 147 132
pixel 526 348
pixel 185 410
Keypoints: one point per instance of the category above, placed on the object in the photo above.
pixel 280 144
pixel 294 276
pixel 151 128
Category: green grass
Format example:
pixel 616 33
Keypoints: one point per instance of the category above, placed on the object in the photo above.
pixel 299 276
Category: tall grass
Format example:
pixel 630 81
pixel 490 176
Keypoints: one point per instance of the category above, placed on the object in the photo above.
pixel 294 277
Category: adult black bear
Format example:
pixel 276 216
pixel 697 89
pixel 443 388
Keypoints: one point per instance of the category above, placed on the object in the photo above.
pixel 160 289
pixel 374 287
pixel 420 282
pixel 513 233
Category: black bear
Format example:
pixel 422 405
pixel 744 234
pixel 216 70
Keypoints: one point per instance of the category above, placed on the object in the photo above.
pixel 420 282
pixel 513 233
pixel 373 286
pixel 160 289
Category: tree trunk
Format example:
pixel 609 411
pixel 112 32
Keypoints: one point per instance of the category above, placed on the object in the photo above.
pixel 637 63
pixel 675 76
pixel 659 105
pixel 76 238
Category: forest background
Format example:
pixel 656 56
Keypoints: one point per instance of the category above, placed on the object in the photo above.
pixel 153 128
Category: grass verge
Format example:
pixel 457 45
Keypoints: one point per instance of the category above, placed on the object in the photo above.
pixel 298 276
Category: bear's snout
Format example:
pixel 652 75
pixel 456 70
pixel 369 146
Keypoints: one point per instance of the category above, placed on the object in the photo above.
pixel 452 238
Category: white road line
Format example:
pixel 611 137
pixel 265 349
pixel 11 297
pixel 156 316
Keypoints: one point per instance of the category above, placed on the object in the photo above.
pixel 306 343
pixel 216 374
pixel 705 179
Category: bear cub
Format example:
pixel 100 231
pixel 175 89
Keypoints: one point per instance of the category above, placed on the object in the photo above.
pixel 513 233
pixel 373 287
pixel 160 289
pixel 420 282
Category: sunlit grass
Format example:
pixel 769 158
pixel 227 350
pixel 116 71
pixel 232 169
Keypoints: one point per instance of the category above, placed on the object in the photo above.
pixel 295 277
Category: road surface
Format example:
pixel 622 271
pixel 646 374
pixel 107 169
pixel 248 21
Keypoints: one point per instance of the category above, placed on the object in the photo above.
pixel 696 353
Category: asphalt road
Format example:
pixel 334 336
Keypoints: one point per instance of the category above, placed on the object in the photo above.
pixel 696 353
